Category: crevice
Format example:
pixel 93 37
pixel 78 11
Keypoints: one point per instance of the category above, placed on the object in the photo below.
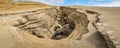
pixel 67 24
pixel 73 24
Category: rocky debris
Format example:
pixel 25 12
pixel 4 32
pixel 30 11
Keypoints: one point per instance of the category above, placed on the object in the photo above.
pixel 107 33
pixel 91 12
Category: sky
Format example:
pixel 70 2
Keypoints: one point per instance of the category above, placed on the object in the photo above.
pixel 107 3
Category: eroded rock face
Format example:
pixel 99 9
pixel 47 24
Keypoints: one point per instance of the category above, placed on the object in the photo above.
pixel 43 24
pixel 64 24
pixel 107 33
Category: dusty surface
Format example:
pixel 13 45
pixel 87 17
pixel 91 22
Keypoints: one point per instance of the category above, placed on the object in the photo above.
pixel 36 25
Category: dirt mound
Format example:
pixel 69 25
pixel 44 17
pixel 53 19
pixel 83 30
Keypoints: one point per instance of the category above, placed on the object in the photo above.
pixel 13 6
pixel 6 1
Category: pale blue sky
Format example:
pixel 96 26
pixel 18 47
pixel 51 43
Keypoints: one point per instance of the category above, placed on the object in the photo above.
pixel 107 3
pixel 85 2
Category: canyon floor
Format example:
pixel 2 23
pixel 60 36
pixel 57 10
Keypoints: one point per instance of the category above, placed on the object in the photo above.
pixel 36 25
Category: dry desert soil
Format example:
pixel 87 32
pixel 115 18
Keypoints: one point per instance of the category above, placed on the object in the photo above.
pixel 36 25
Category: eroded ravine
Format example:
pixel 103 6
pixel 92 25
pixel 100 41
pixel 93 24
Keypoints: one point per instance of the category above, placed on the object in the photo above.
pixel 56 23
pixel 42 23
pixel 69 20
